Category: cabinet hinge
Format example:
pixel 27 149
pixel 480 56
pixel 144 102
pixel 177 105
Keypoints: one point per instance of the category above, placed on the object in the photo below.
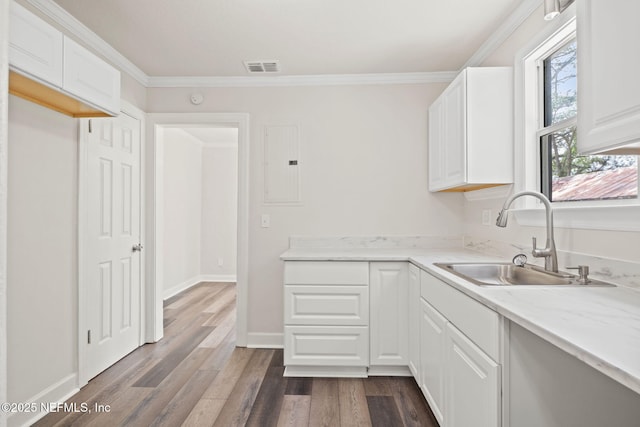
pixel 89 336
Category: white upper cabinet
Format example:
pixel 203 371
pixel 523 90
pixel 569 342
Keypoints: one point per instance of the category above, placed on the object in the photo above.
pixel 608 83
pixel 89 78
pixel 54 71
pixel 471 131
pixel 35 47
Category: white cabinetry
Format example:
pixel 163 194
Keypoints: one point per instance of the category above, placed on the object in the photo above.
pixel 346 318
pixel 472 383
pixel 414 321
pixel 90 79
pixel 389 317
pixel 471 131
pixel 35 47
pixel 326 330
pixel 609 101
pixel 52 70
pixel 432 358
pixel 460 355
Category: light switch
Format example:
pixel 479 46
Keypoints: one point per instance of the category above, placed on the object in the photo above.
pixel 265 221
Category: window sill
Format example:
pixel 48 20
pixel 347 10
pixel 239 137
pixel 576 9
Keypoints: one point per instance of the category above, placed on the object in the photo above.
pixel 613 218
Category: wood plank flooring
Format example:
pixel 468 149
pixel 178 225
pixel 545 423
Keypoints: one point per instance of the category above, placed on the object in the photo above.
pixel 195 376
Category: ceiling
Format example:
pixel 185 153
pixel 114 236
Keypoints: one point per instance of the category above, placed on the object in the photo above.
pixel 308 37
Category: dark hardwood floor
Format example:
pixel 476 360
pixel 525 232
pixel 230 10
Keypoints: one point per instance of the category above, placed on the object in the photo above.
pixel 195 376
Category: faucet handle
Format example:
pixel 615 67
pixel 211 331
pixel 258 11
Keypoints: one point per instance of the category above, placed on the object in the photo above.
pixel 534 243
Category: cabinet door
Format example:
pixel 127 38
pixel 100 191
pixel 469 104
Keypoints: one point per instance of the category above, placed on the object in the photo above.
pixel 388 313
pixel 414 321
pixel 432 358
pixel 472 383
pixel 455 155
pixel 35 47
pixel 90 78
pixel 609 66
pixel 436 145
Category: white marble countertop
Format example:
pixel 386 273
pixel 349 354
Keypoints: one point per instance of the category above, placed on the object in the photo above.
pixel 598 325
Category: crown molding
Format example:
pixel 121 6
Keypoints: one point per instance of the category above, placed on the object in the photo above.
pixel 502 33
pixel 77 29
pixel 308 80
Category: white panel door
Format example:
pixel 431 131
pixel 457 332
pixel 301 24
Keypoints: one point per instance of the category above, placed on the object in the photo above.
pixel 112 269
pixel 388 312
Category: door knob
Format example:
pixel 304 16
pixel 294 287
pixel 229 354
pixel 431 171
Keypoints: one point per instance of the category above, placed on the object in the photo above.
pixel 137 248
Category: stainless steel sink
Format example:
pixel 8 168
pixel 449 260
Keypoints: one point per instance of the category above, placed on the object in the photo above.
pixel 508 274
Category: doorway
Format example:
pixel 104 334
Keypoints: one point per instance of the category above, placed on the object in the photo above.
pixel 200 206
pixel 157 125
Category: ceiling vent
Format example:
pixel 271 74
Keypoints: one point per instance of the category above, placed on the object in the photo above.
pixel 259 67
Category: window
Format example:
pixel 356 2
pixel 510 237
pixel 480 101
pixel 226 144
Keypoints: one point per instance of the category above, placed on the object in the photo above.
pixel 565 175
pixel 533 133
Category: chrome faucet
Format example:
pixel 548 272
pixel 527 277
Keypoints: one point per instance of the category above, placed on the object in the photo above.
pixel 549 253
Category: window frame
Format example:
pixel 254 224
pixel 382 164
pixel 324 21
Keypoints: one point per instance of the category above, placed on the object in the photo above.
pixel 600 214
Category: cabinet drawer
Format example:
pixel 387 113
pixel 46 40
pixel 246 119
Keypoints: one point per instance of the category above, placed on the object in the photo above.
pixel 326 305
pixel 326 273
pixel 476 321
pixel 326 346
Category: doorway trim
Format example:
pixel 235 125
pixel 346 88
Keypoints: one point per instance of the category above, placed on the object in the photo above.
pixel 156 122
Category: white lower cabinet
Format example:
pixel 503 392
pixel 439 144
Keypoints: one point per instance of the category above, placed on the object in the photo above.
pixel 414 321
pixel 326 313
pixel 472 384
pixel 432 358
pixel 388 315
pixel 344 318
pixel 459 354
pixel 359 318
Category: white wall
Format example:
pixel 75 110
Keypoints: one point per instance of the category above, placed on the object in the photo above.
pixel 182 209
pixel 42 249
pixel 363 167
pixel 219 211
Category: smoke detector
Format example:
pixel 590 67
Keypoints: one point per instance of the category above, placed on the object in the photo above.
pixel 261 67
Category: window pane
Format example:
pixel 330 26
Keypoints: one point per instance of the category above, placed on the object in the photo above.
pixel 570 177
pixel 560 83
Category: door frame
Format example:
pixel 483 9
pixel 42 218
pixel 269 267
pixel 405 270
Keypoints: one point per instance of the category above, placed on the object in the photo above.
pixel 156 122
pixel 136 113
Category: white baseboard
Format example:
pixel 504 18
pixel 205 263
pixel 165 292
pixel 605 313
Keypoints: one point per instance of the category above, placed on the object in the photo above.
pixel 56 393
pixel 175 290
pixel 264 340
pixel 218 278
